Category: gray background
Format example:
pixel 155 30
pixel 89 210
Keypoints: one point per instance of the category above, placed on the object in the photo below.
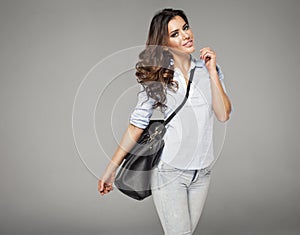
pixel 47 47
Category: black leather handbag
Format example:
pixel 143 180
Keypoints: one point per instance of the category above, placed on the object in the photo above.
pixel 133 177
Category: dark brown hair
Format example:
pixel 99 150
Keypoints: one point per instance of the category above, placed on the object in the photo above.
pixel 155 69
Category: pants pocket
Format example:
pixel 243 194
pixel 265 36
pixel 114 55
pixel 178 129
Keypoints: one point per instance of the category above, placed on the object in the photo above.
pixel 164 167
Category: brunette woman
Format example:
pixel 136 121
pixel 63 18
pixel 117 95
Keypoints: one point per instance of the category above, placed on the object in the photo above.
pixel 181 179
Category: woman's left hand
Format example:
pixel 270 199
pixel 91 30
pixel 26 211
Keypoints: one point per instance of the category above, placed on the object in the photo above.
pixel 209 57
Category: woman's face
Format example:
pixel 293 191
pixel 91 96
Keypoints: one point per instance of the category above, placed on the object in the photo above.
pixel 180 36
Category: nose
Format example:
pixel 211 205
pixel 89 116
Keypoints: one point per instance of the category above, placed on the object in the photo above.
pixel 185 35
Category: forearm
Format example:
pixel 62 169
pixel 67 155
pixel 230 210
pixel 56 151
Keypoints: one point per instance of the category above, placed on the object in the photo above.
pixel 130 137
pixel 128 140
pixel 220 101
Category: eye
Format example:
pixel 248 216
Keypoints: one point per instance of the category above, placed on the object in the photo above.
pixel 186 27
pixel 175 34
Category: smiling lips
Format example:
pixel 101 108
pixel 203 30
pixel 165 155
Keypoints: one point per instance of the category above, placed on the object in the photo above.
pixel 189 43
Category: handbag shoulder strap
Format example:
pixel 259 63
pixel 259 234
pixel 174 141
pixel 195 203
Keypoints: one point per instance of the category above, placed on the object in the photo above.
pixel 185 98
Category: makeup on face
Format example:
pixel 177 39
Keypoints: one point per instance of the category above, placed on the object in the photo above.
pixel 180 35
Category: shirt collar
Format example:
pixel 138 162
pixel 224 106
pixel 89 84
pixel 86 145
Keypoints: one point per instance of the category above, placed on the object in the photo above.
pixel 194 63
pixel 198 63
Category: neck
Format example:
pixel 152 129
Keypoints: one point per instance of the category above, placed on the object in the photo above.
pixel 182 61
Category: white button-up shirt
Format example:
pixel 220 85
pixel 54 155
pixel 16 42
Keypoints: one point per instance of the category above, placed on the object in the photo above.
pixel 189 135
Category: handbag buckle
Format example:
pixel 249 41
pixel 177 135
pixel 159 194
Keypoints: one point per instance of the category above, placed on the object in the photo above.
pixel 158 131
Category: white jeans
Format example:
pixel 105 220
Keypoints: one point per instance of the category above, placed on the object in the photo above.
pixel 179 197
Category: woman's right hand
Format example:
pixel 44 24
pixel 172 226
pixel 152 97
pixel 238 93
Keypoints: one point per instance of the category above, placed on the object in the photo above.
pixel 105 183
pixel 132 134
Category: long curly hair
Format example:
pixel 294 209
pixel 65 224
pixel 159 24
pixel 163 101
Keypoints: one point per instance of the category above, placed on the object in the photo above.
pixel 155 67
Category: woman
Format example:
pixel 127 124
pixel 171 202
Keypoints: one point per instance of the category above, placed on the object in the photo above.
pixel 181 179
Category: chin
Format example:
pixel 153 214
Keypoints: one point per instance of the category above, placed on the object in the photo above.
pixel 180 51
pixel 189 50
pixel 193 50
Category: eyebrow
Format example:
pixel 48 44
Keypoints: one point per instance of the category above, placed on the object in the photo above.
pixel 176 30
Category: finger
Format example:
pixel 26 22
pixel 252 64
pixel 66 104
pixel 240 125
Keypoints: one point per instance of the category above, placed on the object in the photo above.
pixel 109 187
pixel 205 49
pixel 105 191
pixel 208 55
pixel 204 53
pixel 100 186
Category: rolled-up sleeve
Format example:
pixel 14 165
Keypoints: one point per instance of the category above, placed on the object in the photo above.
pixel 143 111
pixel 221 77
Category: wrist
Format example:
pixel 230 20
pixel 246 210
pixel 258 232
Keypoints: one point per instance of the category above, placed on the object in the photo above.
pixel 214 74
pixel 112 166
